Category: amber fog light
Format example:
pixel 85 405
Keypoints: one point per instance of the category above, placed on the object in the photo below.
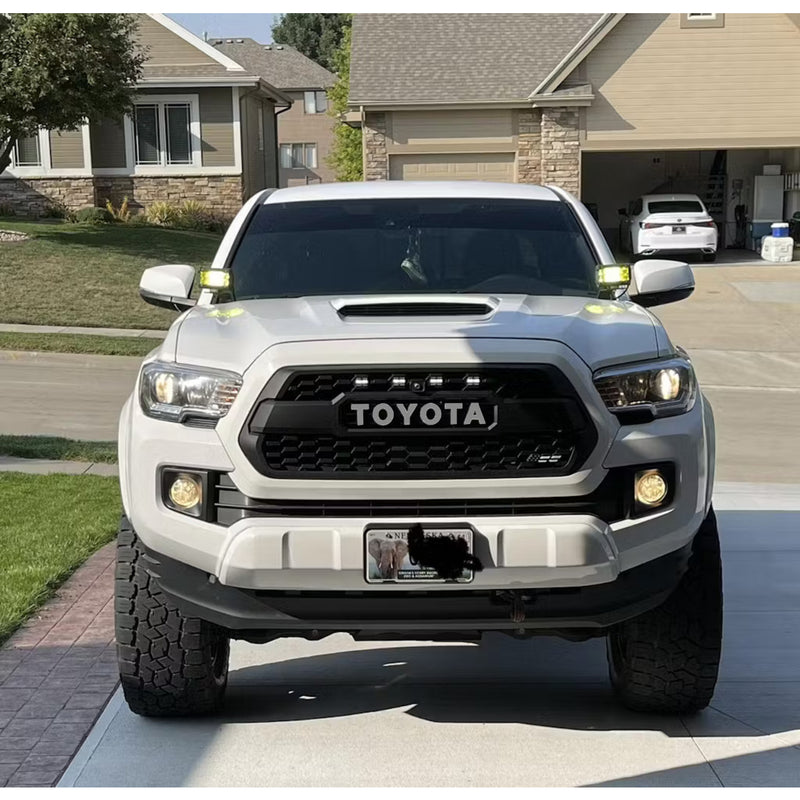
pixel 186 491
pixel 650 488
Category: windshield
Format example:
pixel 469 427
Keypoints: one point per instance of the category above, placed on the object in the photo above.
pixel 675 207
pixel 418 245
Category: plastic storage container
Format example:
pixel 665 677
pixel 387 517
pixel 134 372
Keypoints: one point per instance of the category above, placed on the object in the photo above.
pixel 779 249
pixel 779 229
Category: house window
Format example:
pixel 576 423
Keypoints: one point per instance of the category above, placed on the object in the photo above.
pixel 27 152
pixel 316 102
pixel 163 133
pixel 299 156
pixel 702 20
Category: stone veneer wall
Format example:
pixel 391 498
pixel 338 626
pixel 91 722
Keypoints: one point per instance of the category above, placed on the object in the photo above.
pixel 561 148
pixel 376 161
pixel 222 194
pixel 529 146
pixel 33 197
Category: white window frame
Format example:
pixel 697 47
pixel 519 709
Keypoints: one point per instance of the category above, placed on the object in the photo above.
pixel 304 145
pixel 311 95
pixel 14 170
pixel 195 141
pixel 694 17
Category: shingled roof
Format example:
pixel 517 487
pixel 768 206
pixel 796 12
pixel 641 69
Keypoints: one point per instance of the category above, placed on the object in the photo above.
pixel 280 65
pixel 458 58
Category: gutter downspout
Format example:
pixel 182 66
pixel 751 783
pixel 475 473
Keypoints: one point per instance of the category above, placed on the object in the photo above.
pixel 278 147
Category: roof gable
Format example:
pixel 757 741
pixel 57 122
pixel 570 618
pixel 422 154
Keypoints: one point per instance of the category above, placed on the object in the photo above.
pixel 280 65
pixel 173 51
pixel 459 58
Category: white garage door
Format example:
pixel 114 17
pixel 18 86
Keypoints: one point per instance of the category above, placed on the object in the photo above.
pixel 453 167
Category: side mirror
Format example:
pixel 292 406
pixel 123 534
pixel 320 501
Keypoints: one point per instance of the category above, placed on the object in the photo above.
pixel 622 212
pixel 659 281
pixel 168 286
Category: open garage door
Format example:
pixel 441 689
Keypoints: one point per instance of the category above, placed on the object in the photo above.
pixel 453 167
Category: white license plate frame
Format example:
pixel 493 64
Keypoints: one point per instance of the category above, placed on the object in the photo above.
pixel 408 574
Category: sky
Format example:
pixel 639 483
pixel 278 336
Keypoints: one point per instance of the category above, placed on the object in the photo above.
pixel 256 26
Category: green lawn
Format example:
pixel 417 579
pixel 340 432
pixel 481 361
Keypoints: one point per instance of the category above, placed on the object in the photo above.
pixel 57 448
pixel 77 343
pixel 89 274
pixel 50 524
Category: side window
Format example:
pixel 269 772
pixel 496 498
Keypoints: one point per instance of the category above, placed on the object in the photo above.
pixel 636 209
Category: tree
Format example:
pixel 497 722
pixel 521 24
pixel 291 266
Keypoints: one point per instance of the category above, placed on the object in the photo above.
pixel 316 36
pixel 58 70
pixel 345 156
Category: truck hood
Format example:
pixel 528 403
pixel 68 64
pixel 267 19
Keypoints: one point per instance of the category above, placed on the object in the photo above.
pixel 233 335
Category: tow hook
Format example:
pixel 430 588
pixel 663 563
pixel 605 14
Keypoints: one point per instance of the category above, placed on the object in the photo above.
pixel 516 600
pixel 517 607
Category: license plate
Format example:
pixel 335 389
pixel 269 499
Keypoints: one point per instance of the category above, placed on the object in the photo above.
pixel 679 229
pixel 387 560
pixel 419 415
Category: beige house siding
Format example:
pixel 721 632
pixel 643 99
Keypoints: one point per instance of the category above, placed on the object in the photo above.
pixel 66 149
pixel 108 145
pixel 660 85
pixel 297 127
pixel 216 126
pixel 165 48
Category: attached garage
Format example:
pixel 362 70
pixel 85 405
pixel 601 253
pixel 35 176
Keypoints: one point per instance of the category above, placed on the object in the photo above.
pixel 452 167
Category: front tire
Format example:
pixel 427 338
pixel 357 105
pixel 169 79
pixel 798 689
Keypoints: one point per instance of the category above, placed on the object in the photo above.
pixel 667 659
pixel 170 665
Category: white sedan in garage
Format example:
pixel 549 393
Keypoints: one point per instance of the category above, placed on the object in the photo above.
pixel 668 223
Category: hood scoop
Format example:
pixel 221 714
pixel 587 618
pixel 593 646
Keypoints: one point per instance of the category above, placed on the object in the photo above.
pixel 414 308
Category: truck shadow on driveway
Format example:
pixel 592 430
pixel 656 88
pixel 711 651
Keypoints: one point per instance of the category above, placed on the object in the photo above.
pixel 551 682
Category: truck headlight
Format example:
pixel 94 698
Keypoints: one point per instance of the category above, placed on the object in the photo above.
pixel 665 388
pixel 172 392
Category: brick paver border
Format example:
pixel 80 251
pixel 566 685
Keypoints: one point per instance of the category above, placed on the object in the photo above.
pixel 56 675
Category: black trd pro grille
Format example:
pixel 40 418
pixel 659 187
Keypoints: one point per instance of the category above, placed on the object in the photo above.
pixel 418 423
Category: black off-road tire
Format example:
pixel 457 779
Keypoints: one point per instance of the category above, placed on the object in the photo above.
pixel 170 665
pixel 667 660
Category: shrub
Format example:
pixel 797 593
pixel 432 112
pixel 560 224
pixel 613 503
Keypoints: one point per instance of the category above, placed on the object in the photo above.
pixel 7 210
pixel 194 215
pixel 55 210
pixel 162 213
pixel 121 214
pixel 93 215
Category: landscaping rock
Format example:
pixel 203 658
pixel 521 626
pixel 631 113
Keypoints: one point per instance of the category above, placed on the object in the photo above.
pixel 13 236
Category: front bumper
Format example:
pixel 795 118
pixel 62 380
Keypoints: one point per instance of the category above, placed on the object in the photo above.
pixel 263 615
pixel 320 554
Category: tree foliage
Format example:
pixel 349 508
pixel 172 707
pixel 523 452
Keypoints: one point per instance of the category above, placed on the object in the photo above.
pixel 345 156
pixel 316 36
pixel 57 70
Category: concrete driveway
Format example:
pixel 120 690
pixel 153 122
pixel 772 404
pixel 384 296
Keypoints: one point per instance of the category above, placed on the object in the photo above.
pixel 502 713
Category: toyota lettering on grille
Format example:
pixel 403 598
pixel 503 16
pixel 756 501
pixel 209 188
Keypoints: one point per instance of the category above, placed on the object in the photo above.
pixel 431 414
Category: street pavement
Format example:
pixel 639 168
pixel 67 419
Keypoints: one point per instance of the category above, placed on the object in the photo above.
pixel 501 713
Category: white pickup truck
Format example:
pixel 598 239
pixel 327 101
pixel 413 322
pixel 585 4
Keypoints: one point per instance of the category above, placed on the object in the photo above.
pixel 417 411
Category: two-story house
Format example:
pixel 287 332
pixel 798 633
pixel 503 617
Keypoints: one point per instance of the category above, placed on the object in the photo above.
pixel 305 131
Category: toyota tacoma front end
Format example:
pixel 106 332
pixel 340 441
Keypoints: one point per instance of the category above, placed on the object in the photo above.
pixel 417 411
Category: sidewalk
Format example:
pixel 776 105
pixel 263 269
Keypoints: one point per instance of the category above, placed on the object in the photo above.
pixel 128 333
pixel 57 673
pixel 44 466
